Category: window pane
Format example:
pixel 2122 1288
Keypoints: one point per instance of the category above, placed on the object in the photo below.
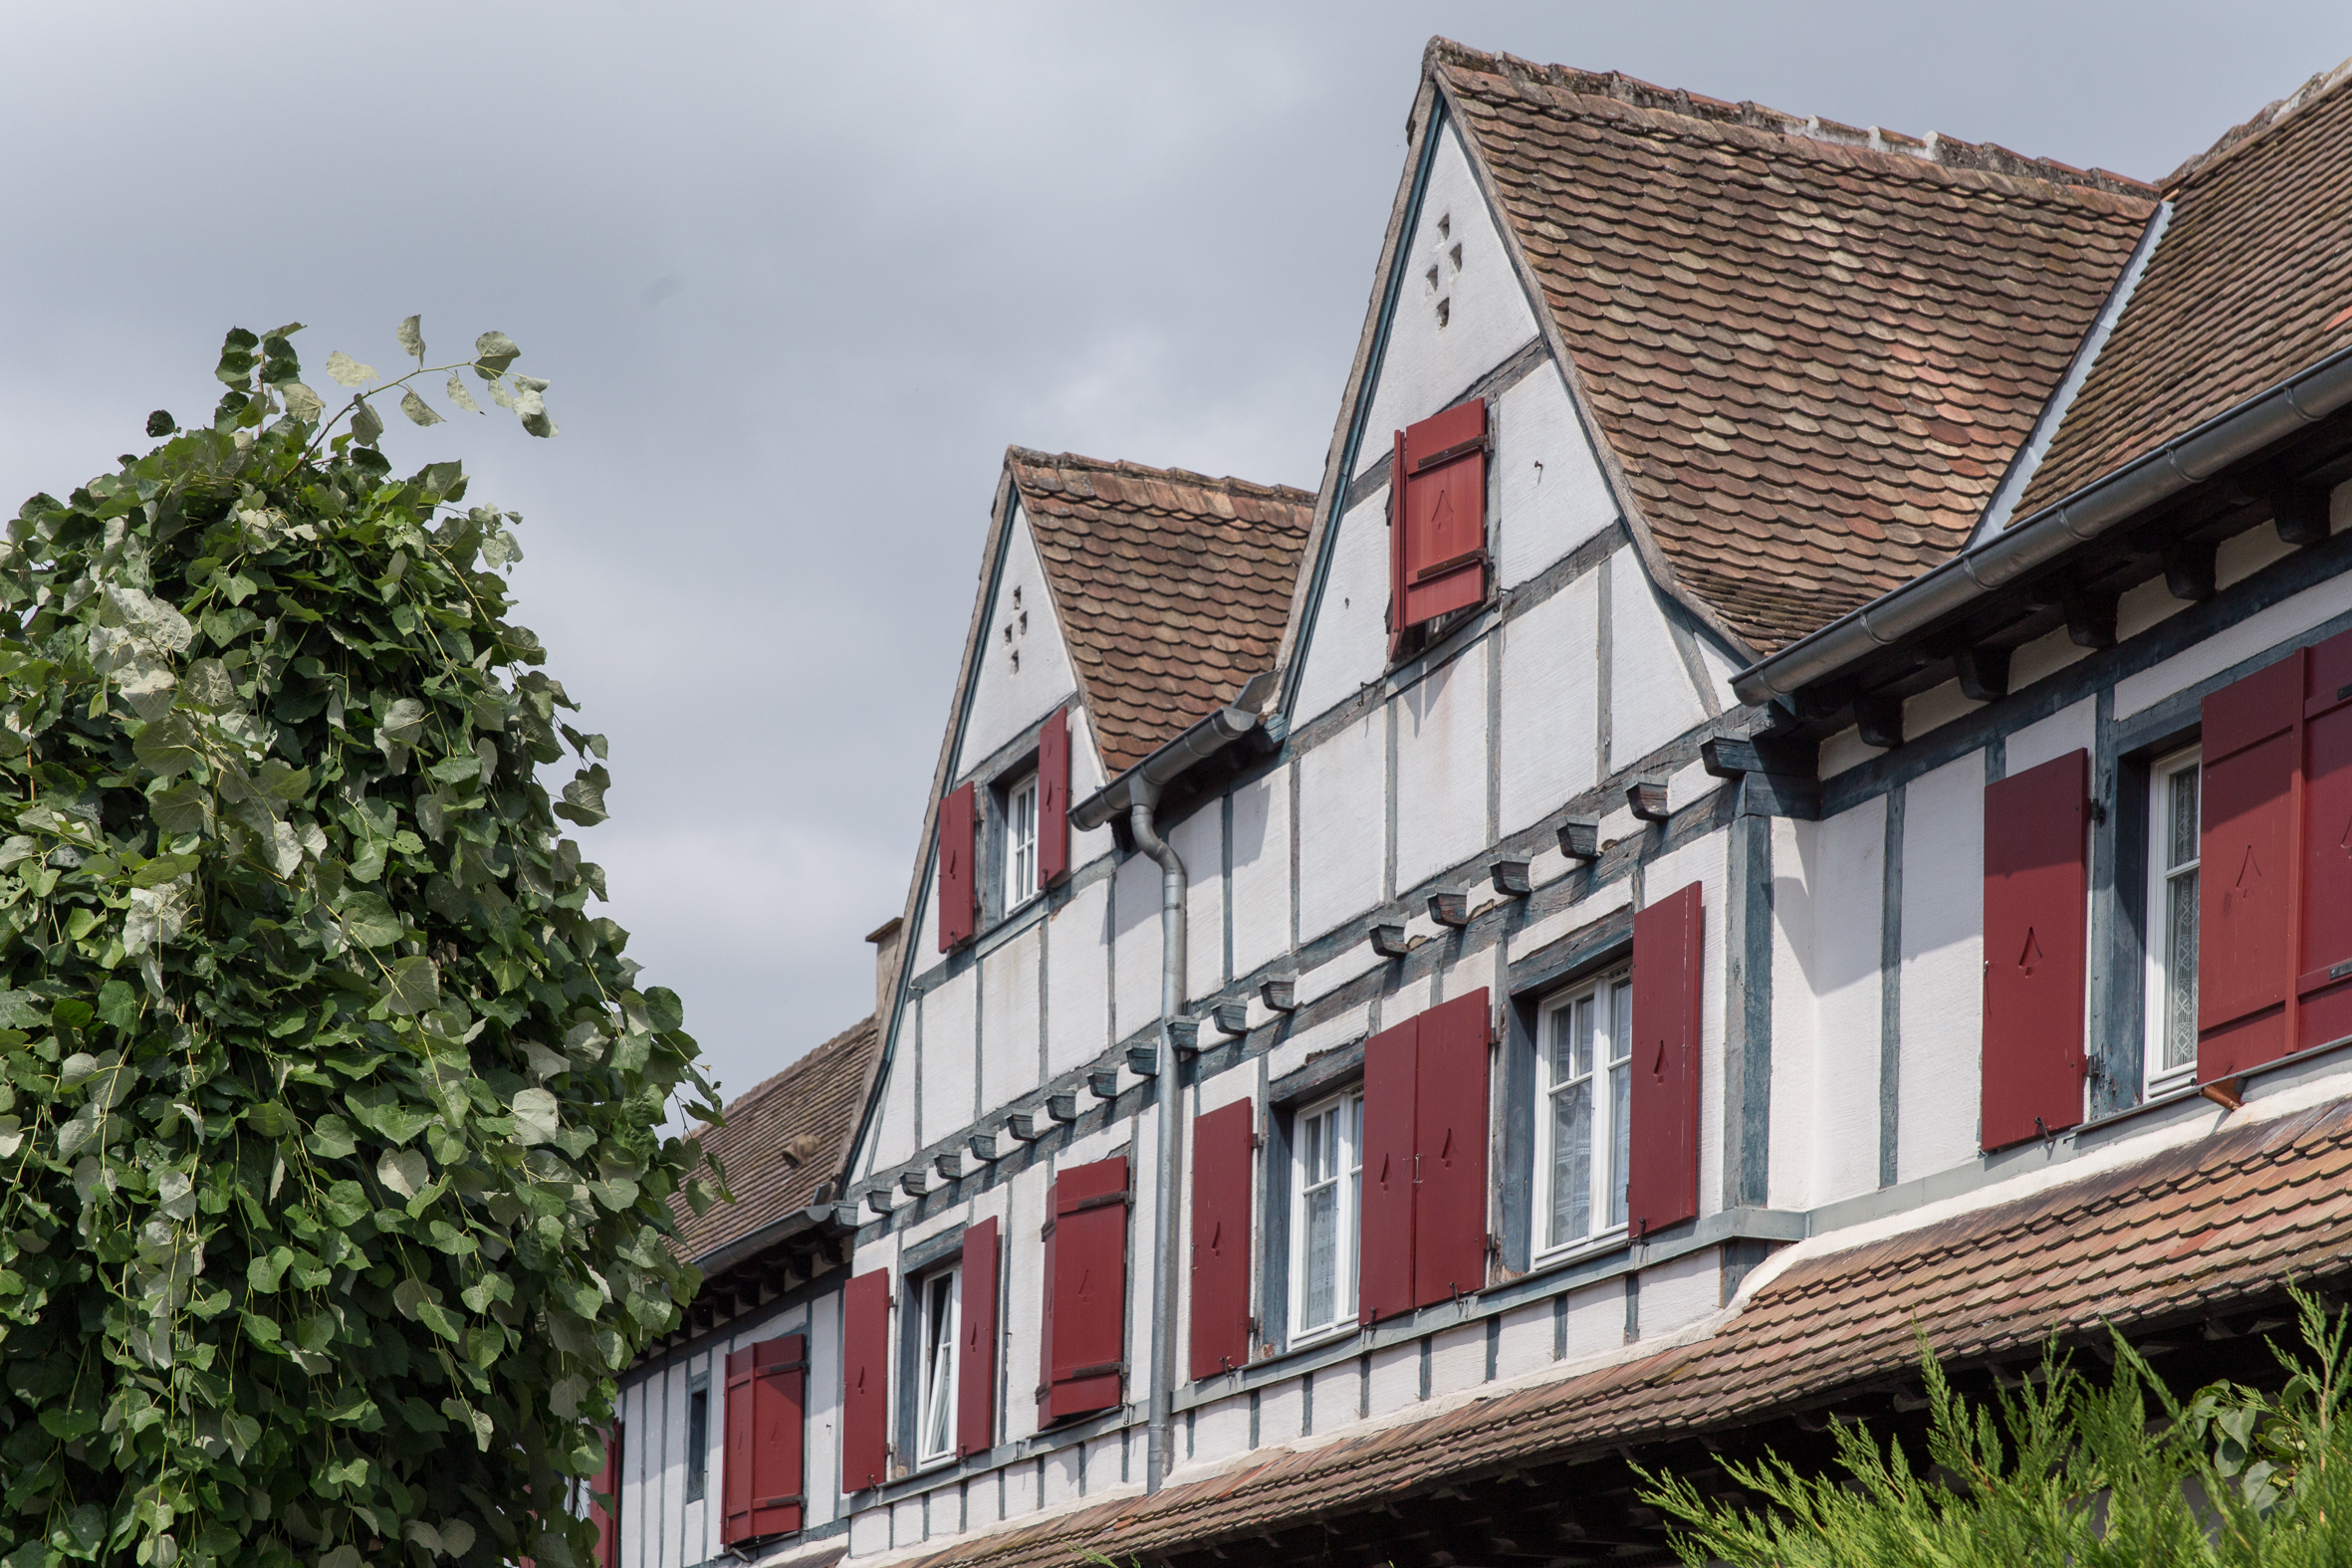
pixel 1317 1304
pixel 1584 1034
pixel 2180 816
pixel 938 1363
pixel 1620 1020
pixel 698 1442
pixel 1571 1163
pixel 2179 968
pixel 1620 1130
pixel 1312 1146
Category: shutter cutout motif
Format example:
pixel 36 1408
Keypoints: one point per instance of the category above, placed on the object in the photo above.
pixel 1054 799
pixel 1384 1249
pixel 607 1515
pixel 1222 1160
pixel 2245 966
pixel 2323 979
pixel 1662 1182
pixel 2036 945
pixel 1450 1147
pixel 1445 512
pixel 865 1381
pixel 1085 1326
pixel 976 1355
pixel 958 891
pixel 763 1481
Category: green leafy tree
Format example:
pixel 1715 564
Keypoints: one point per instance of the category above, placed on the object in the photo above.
pixel 2063 1471
pixel 334 1196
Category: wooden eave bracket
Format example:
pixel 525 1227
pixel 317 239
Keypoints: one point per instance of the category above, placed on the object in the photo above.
pixel 2228 1093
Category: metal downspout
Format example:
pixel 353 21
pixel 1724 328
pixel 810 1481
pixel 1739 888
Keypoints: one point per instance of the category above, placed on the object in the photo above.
pixel 1159 1424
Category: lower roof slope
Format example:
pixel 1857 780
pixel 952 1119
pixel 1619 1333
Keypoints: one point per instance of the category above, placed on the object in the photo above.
pixel 2251 282
pixel 1173 588
pixel 2176 1237
pixel 1813 349
pixel 783 1139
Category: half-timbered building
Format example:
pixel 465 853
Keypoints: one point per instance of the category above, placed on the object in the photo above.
pixel 1830 815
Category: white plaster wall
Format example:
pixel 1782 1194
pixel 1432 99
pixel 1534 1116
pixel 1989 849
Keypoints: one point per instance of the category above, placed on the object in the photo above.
pixel 1348 648
pixel 1396 1383
pixel 1458 1358
pixel 1025 1284
pixel 1200 843
pixel 2237 643
pixel 2243 554
pixel 1143 1157
pixel 1550 492
pixel 2044 657
pixel 1007 699
pixel 1680 1291
pixel 1220 1430
pixel 869 1532
pixel 1427 366
pixel 1720 667
pixel 1469 971
pixel 1087 776
pixel 1596 1319
pixel 1615 896
pixel 1342 1028
pixel 1278 1412
pixel 1059 1477
pixel 923 937
pixel 1135 937
pixel 822 1402
pixel 1410 999
pixel 1933 708
pixel 1525 1345
pixel 1703 860
pixel 1942 997
pixel 1550 703
pixel 1343 812
pixel 1009 1020
pixel 1795 1037
pixel 906 1523
pixel 1078 979
pixel 1441 769
pixel 1849 881
pixel 1260 871
pixel 1651 700
pixel 1020 1491
pixel 893 1137
pixel 949 1086
pixel 1357 957
pixel 2070 728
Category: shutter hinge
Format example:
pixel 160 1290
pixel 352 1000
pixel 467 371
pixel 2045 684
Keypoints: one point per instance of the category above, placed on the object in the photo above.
pixel 1100 1201
pixel 1098 1368
pixel 792 1501
pixel 775 1367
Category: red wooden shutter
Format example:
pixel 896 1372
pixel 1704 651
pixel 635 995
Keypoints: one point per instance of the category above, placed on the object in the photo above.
pixel 2246 961
pixel 1396 548
pixel 1445 512
pixel 1450 1151
pixel 865 1381
pixel 1085 1290
pixel 607 1514
pixel 2323 982
pixel 976 1355
pixel 2036 947
pixel 1662 1183
pixel 1054 799
pixel 1222 1158
pixel 762 1480
pixel 1384 1249
pixel 958 892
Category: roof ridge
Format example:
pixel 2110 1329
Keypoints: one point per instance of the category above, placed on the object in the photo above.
pixel 1935 148
pixel 2261 124
pixel 1098 465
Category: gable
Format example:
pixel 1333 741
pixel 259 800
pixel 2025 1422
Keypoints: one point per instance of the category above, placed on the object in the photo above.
pixel 1022 664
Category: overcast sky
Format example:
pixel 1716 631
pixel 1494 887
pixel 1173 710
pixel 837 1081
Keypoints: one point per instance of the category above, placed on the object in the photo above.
pixel 798 274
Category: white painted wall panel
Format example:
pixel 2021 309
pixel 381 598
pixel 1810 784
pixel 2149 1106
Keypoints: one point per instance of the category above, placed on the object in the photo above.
pixel 1349 646
pixel 1441 769
pixel 1551 496
pixel 2070 728
pixel 1025 1284
pixel 1396 1383
pixel 1525 1342
pixel 1469 971
pixel 1009 1020
pixel 949 1064
pixel 1025 670
pixel 869 1532
pixel 1135 922
pixel 1849 881
pixel 1059 1474
pixel 1431 357
pixel 1200 843
pixel 1409 1000
pixel 823 1406
pixel 1596 1319
pixel 2237 643
pixel 906 1523
pixel 1143 1157
pixel 1221 1430
pixel 1795 1037
pixel 1942 991
pixel 923 937
pixel 1278 1412
pixel 1458 1358
pixel 1340 1028
pixel 1650 696
pixel 893 1137
pixel 1021 1490
pixel 1260 871
pixel 1550 703
pixel 1680 1292
pixel 1077 980
pixel 1342 810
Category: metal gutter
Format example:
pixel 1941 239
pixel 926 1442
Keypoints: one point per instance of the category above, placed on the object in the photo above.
pixel 1145 780
pixel 1984 569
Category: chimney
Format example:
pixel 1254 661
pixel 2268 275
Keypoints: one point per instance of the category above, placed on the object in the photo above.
pixel 885 937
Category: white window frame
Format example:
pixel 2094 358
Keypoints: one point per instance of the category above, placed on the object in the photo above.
pixel 1021 841
pixel 2156 1006
pixel 1609 997
pixel 939 1298
pixel 1344 1177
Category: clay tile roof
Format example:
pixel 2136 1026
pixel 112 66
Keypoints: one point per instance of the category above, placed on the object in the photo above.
pixel 782 1138
pixel 1814 348
pixel 2169 1240
pixel 1173 587
pixel 2250 282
